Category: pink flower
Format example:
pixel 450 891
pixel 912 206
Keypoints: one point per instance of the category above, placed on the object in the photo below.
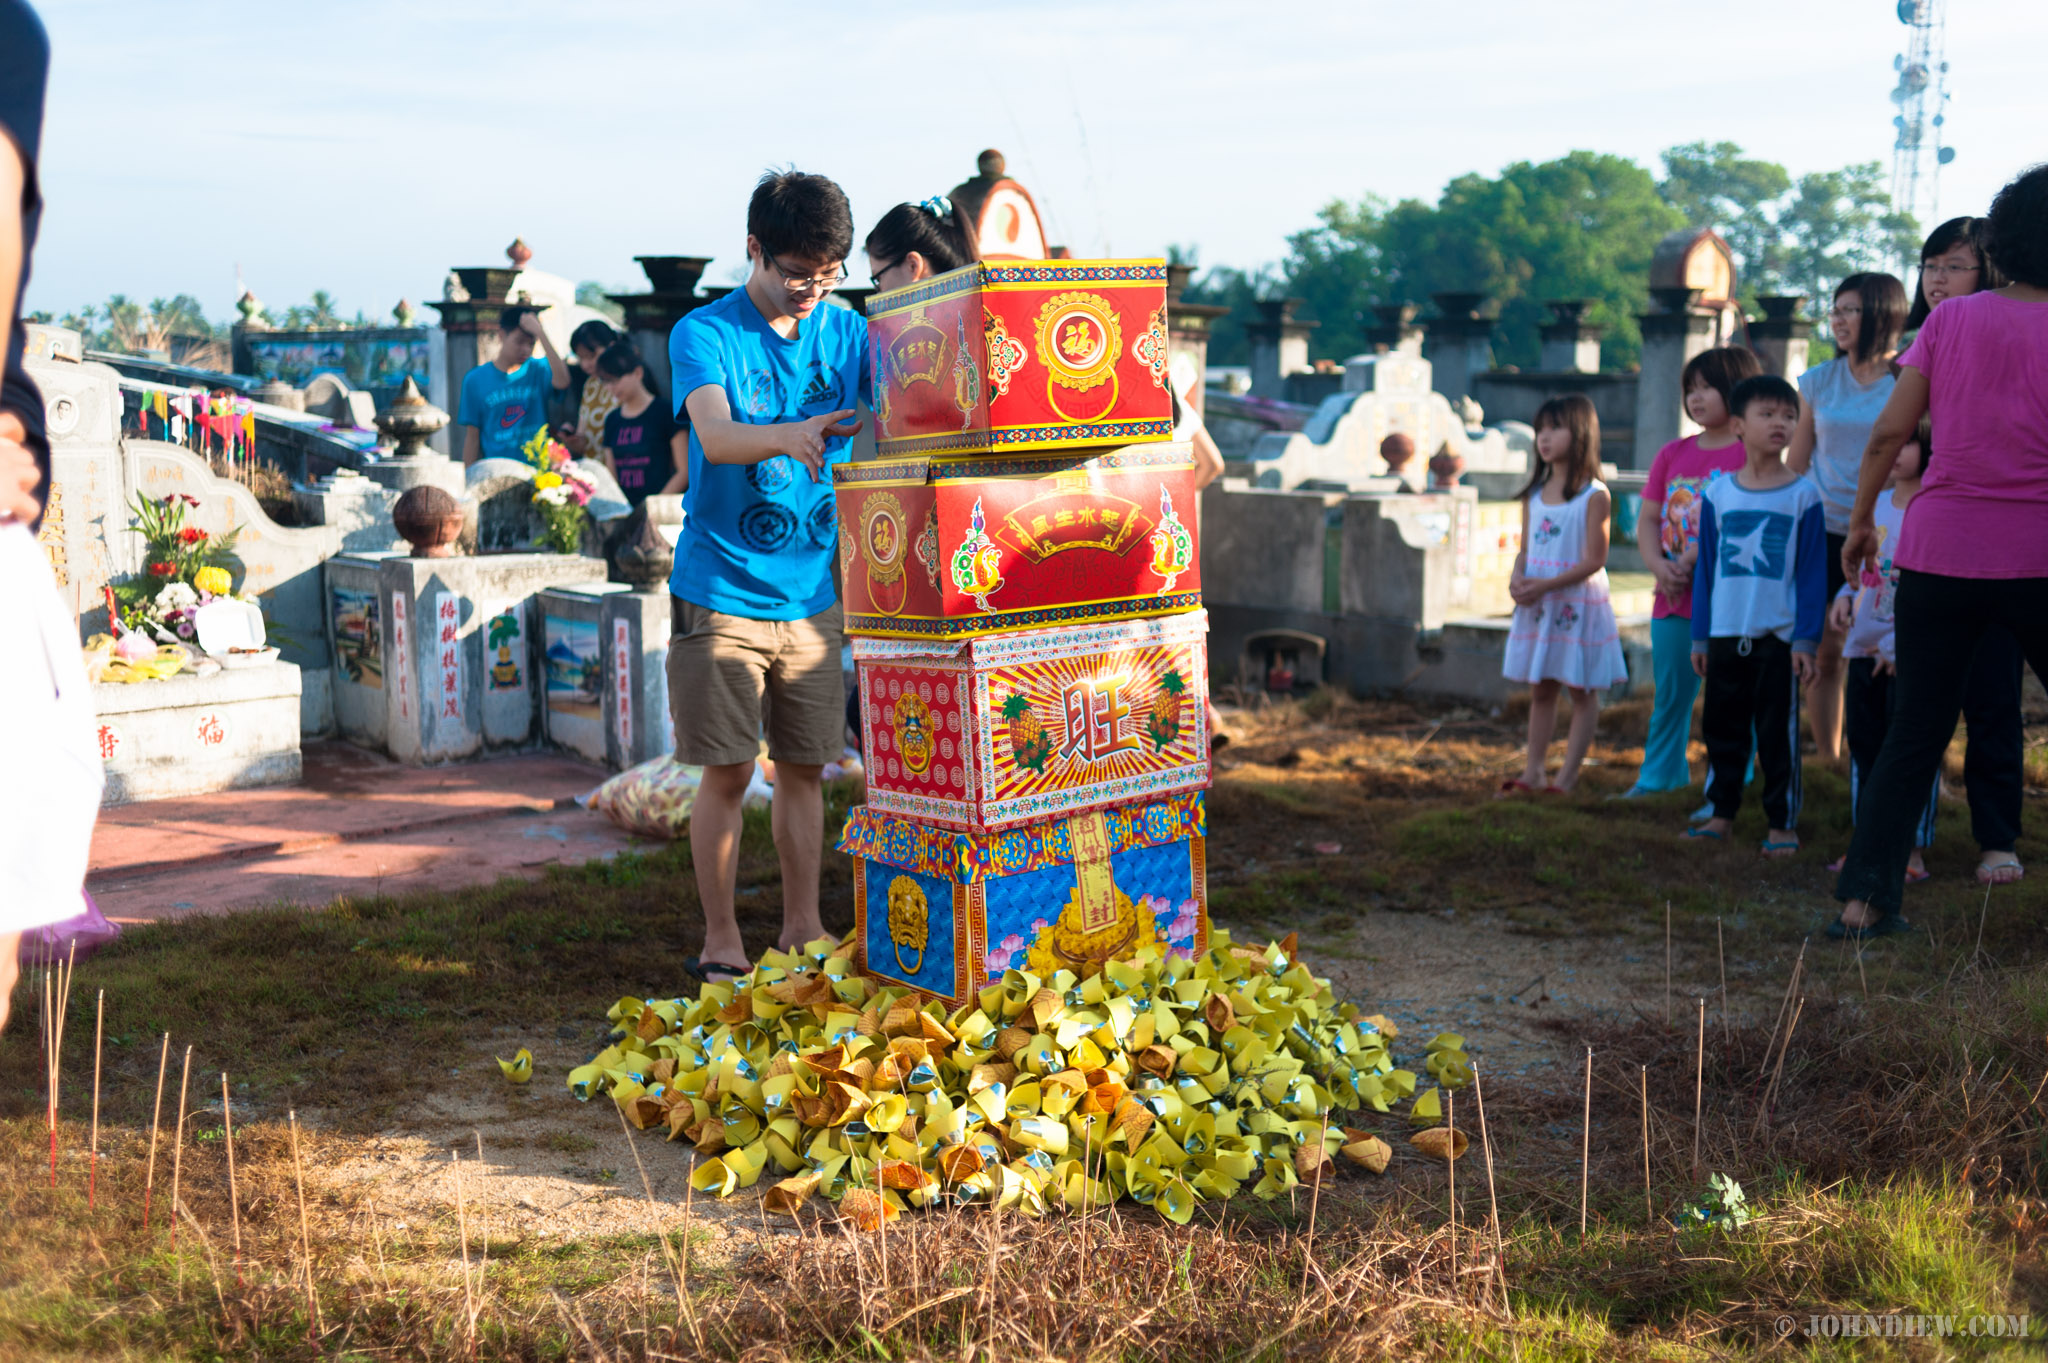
pixel 1039 925
pixel 1012 943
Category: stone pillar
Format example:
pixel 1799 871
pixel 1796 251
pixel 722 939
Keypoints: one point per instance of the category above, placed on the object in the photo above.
pixel 651 316
pixel 1674 330
pixel 634 627
pixel 1188 328
pixel 1395 330
pixel 1782 335
pixel 1570 343
pixel 469 320
pixel 1460 342
pixel 1279 342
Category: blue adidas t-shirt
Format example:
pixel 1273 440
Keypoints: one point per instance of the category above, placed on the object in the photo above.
pixel 506 409
pixel 758 538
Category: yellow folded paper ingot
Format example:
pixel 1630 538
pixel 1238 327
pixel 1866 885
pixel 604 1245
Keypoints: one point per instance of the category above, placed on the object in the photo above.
pixel 1440 1142
pixel 1173 1080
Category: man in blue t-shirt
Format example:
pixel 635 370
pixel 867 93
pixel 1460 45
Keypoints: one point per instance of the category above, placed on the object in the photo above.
pixel 506 401
pixel 767 377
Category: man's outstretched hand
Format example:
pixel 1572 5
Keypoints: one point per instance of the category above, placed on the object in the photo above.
pixel 807 437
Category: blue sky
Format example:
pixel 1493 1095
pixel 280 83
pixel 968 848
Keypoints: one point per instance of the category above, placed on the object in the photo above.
pixel 365 147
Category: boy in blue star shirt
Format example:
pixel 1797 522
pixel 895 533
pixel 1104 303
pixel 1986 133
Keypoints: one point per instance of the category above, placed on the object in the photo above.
pixel 767 377
pixel 1759 600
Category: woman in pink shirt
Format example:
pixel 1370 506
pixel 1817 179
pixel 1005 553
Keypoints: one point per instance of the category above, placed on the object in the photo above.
pixel 1973 554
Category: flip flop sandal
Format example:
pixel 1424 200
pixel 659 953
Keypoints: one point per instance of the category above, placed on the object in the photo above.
pixel 1778 849
pixel 1835 867
pixel 1513 786
pixel 1702 833
pixel 2004 873
pixel 715 972
pixel 1914 877
pixel 1553 790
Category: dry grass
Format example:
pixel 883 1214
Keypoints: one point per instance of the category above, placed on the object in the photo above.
pixel 1900 1165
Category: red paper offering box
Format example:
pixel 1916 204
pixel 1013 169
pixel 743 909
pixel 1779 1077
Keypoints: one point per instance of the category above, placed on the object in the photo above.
pixel 1008 729
pixel 948 912
pixel 949 548
pixel 1003 356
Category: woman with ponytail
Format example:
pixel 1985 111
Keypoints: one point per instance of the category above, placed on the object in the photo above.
pixel 916 241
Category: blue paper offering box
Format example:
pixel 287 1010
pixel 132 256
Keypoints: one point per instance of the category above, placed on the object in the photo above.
pixel 945 912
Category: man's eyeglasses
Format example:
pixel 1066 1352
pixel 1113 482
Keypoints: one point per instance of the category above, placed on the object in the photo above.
pixel 823 283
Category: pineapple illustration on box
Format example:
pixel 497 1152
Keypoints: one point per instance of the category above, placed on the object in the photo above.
pixel 1028 741
pixel 1164 725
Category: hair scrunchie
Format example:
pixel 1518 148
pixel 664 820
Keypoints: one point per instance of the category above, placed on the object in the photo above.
pixel 939 206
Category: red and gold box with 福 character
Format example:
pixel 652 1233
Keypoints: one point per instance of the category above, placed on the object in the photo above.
pixel 1000 357
pixel 1009 729
pixel 952 548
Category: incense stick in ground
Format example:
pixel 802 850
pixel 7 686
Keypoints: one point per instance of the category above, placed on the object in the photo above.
pixel 1586 1147
pixel 178 1144
pixel 92 1175
pixel 155 1125
pixel 227 1117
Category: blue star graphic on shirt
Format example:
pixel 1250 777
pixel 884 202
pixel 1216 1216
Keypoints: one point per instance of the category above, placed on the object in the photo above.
pixel 1753 543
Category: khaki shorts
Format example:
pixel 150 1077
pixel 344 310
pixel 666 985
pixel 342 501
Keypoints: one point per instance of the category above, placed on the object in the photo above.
pixel 731 678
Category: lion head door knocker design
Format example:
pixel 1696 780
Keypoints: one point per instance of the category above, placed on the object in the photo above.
pixel 910 918
pixel 913 732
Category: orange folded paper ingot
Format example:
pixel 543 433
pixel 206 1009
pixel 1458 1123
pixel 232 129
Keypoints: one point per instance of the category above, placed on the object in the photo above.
pixel 1006 729
pixel 1006 356
pixel 949 548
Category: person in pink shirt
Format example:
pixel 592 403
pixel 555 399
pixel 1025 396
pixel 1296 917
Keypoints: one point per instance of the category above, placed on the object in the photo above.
pixel 1973 550
pixel 1668 536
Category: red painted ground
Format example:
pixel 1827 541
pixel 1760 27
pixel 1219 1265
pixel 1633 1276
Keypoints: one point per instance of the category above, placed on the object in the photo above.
pixel 360 825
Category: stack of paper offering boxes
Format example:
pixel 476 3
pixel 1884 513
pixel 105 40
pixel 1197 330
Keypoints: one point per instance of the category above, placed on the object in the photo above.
pixel 1023 591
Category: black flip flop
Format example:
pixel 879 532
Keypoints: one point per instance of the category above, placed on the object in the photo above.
pixel 707 970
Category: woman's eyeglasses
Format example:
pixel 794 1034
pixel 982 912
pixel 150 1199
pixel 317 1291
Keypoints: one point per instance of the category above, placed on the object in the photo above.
pixel 1939 270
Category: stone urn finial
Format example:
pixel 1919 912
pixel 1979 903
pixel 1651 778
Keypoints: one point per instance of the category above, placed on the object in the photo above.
pixel 251 309
pixel 1397 449
pixel 519 253
pixel 1445 466
pixel 409 421
pixel 430 519
pixel 405 312
pixel 643 558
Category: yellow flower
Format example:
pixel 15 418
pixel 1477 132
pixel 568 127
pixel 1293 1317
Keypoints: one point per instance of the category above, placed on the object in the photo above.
pixel 213 581
pixel 544 481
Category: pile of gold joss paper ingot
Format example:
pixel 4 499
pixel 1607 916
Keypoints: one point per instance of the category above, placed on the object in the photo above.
pixel 1168 1079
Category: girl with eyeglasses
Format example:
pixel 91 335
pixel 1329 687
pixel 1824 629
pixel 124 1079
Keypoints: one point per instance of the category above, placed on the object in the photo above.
pixel 1840 401
pixel 916 241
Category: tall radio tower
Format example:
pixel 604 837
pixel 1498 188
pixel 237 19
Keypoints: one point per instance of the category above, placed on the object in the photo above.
pixel 1918 153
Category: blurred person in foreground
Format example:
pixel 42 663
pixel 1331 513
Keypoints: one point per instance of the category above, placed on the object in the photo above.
pixel 51 793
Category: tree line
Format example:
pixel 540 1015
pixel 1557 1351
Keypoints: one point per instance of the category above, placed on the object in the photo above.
pixel 1581 226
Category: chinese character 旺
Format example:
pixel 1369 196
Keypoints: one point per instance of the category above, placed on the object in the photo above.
pixel 1108 714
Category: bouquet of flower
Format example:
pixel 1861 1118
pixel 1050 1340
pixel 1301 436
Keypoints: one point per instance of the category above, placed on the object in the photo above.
pixel 184 567
pixel 559 492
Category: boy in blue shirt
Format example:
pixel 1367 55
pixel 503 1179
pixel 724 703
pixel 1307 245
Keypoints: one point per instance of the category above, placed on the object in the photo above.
pixel 767 378
pixel 1759 601
pixel 505 401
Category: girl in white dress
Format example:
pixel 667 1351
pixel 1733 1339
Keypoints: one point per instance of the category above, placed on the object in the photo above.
pixel 1564 633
